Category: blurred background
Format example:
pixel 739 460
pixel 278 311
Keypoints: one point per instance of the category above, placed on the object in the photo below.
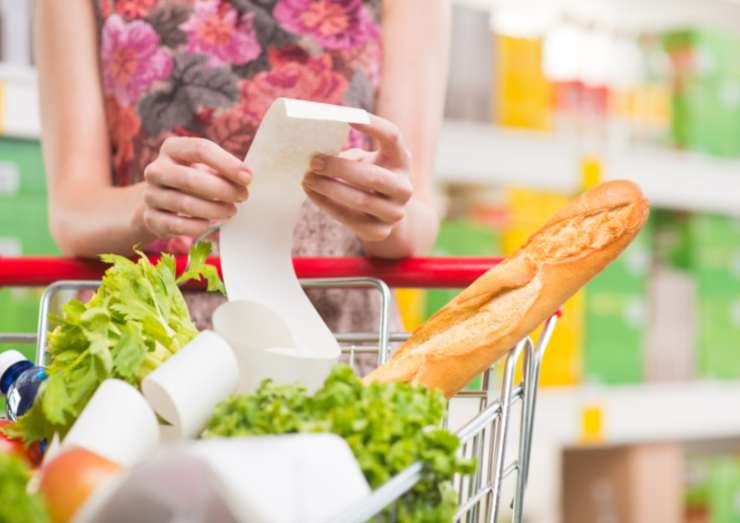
pixel 639 415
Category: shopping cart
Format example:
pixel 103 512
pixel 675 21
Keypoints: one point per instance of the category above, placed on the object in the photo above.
pixel 484 437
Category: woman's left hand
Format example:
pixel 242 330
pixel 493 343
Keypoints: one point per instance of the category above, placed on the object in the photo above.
pixel 366 191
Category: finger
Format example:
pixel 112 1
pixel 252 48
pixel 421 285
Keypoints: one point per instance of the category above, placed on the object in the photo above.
pixel 349 197
pixel 190 150
pixel 196 182
pixel 357 154
pixel 388 136
pixel 367 176
pixel 364 226
pixel 186 205
pixel 165 225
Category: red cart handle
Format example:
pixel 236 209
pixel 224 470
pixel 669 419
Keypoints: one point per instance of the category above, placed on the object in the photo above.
pixel 29 271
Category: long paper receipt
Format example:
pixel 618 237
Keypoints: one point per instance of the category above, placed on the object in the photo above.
pixel 256 243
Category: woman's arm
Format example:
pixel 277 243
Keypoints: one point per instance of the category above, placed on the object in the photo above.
pixel 385 197
pixel 191 183
pixel 86 214
pixel 412 93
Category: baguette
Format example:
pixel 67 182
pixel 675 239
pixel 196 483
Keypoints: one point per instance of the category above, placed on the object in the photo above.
pixel 510 300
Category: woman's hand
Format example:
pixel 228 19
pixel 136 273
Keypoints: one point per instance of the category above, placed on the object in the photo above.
pixel 192 183
pixel 366 191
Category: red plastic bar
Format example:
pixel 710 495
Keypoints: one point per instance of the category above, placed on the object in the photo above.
pixel 411 272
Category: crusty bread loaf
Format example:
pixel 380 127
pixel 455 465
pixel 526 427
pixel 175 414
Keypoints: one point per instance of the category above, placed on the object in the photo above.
pixel 510 300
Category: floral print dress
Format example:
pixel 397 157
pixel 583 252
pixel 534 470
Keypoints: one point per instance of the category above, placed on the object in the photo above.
pixel 211 68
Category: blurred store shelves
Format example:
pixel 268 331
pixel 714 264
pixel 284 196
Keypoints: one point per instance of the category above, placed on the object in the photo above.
pixel 646 413
pixel 19 101
pixel 635 15
pixel 593 416
pixel 486 154
pixel 639 413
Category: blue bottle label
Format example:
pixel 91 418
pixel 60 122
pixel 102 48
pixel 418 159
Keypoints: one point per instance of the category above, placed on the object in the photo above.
pixel 13 400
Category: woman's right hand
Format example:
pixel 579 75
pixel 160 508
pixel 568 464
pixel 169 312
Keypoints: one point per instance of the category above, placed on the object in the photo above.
pixel 192 184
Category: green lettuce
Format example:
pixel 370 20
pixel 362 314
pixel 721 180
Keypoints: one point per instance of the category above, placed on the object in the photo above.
pixel 135 321
pixel 16 504
pixel 387 426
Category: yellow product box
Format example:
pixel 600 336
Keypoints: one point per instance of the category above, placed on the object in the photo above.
pixel 523 94
pixel 563 361
pixel 411 307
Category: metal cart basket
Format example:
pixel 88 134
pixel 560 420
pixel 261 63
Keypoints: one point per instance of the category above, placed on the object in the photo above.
pixel 502 404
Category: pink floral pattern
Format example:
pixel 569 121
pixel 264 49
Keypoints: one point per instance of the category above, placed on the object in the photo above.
pixel 211 68
pixel 293 73
pixel 334 24
pixel 124 124
pixel 215 30
pixel 134 8
pixel 131 59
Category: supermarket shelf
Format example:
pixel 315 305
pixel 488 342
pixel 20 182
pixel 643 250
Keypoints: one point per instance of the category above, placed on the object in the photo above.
pixel 691 411
pixel 632 15
pixel 486 154
pixel 681 180
pixel 647 412
pixel 478 153
pixel 19 102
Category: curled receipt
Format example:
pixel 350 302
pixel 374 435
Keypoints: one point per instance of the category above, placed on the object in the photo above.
pixel 256 244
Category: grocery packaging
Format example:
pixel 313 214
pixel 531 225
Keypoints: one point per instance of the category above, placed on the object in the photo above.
pixel 706 90
pixel 724 489
pixel 19 382
pixel 716 270
pixel 521 89
pixel 619 484
pixel 673 309
pixel 617 317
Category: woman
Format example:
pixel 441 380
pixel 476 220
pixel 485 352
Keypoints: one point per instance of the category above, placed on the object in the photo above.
pixel 149 106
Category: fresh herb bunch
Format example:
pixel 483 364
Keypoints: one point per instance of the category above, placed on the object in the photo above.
pixel 16 504
pixel 387 426
pixel 136 320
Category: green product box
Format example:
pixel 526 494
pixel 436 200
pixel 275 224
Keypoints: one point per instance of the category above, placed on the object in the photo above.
pixel 706 100
pixel 617 316
pixel 716 268
pixel 672 238
pixel 21 168
pixel 19 313
pixel 696 493
pixel 724 491
pixel 717 337
pixel 24 226
pixel 716 254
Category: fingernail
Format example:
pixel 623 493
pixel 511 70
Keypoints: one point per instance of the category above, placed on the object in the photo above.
pixel 318 163
pixel 245 175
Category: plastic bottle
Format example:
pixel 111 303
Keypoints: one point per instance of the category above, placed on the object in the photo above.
pixel 19 382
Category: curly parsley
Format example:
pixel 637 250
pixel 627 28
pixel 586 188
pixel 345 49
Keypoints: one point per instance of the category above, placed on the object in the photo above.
pixel 387 426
